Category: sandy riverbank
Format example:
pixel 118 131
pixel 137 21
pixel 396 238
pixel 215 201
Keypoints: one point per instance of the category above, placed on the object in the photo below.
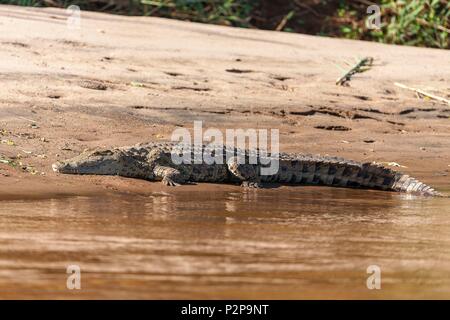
pixel 123 80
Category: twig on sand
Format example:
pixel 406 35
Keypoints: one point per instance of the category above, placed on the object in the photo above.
pixel 362 65
pixel 392 164
pixel 420 93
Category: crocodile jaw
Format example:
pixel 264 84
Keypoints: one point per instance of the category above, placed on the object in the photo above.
pixel 88 166
pixel 69 168
pixel 91 162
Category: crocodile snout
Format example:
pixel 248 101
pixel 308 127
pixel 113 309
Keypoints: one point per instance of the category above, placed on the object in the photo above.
pixel 56 166
pixel 62 167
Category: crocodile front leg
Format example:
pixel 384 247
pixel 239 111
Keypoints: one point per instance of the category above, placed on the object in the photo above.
pixel 246 173
pixel 169 176
pixel 163 168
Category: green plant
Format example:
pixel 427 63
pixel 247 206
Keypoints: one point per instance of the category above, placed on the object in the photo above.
pixel 416 22
pixel 27 3
pixel 228 12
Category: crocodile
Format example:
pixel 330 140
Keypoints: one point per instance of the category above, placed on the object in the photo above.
pixel 153 161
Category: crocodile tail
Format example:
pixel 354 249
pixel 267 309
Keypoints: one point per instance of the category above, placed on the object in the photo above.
pixel 376 175
pixel 339 172
pixel 405 183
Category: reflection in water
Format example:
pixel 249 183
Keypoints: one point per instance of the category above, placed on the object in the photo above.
pixel 276 243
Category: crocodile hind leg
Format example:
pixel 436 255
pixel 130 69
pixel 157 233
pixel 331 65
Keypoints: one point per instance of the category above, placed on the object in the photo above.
pixel 246 173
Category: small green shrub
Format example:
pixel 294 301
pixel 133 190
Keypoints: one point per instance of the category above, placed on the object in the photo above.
pixel 416 22
pixel 227 12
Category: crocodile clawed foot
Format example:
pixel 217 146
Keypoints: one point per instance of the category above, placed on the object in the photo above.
pixel 251 184
pixel 169 182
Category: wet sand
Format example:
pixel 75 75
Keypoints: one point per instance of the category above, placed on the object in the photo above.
pixel 123 80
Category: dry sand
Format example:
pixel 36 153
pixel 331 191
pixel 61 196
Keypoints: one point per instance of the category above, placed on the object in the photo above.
pixel 123 80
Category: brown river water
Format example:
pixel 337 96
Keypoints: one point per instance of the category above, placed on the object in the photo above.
pixel 286 243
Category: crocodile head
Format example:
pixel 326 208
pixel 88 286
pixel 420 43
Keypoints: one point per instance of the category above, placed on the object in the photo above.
pixel 92 162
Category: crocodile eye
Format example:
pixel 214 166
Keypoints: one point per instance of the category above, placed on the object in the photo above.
pixel 102 153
